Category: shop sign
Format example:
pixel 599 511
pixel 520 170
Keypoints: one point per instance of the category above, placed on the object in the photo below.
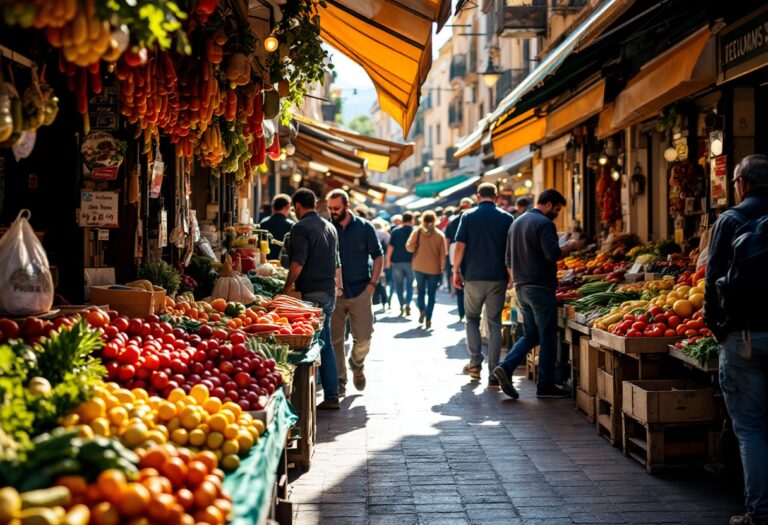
pixel 103 110
pixel 99 209
pixel 743 46
pixel 718 169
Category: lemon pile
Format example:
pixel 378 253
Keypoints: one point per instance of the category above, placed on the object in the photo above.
pixel 197 421
pixel 683 299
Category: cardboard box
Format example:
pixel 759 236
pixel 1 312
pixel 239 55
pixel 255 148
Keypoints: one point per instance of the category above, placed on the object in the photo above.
pixel 605 385
pixel 587 367
pixel 668 401
pixel 132 302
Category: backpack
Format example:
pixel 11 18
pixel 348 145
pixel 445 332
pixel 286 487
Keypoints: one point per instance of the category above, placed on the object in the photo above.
pixel 746 277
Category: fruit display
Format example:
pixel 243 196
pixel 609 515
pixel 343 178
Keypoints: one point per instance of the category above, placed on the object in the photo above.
pixel 701 348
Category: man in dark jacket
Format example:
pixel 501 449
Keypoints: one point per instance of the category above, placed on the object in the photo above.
pixel 278 224
pixel 315 271
pixel 532 254
pixel 740 323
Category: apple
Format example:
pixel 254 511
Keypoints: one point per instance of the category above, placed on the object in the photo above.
pixel 242 379
pixel 233 395
pixel 218 392
pixel 230 385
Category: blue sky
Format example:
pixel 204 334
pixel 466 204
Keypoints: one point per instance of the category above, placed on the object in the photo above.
pixel 351 77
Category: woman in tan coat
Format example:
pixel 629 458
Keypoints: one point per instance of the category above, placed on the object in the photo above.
pixel 427 244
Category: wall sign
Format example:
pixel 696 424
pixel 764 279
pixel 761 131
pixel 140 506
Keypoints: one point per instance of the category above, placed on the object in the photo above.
pixel 743 46
pixel 103 110
pixel 99 209
pixel 718 184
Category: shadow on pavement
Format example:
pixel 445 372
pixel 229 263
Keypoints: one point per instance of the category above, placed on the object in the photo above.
pixel 413 333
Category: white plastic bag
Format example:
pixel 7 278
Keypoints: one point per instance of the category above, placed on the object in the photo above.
pixel 26 285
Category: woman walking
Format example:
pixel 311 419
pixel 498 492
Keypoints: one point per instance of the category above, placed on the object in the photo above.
pixel 427 244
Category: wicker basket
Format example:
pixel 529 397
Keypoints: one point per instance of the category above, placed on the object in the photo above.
pixel 294 341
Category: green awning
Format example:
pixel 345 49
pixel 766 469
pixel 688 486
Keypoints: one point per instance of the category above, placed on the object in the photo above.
pixel 429 189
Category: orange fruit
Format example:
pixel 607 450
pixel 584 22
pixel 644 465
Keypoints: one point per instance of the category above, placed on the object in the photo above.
pixel 211 515
pixel 176 515
pixel 147 472
pixel 219 305
pixel 77 485
pixel 160 507
pixel 225 506
pixel 683 308
pixel 154 458
pixel 217 472
pixel 185 454
pixel 208 458
pixel 185 498
pixel 196 472
pixel 134 500
pixel 112 483
pixel 218 422
pixel 105 513
pixel 93 495
pixel 205 494
pixel 175 469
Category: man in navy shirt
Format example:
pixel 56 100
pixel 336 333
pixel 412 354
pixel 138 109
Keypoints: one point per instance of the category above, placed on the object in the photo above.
pixel 532 254
pixel 279 223
pixel 399 259
pixel 361 264
pixel 479 269
pixel 450 242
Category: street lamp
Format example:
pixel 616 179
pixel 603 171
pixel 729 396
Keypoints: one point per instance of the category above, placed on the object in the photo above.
pixel 491 74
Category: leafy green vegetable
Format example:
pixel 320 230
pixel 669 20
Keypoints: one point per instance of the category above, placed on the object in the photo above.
pixel 160 273
pixel 702 350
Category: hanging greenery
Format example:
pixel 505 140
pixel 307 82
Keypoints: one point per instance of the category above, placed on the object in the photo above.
pixel 300 59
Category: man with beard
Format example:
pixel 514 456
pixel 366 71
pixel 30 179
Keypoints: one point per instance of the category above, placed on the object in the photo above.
pixel 532 255
pixel 361 263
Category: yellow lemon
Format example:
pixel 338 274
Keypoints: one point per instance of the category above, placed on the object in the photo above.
pixel 190 418
pixel 231 431
pixel 70 420
pixel 125 396
pixel 218 422
pixel 234 408
pixel 134 435
pixel 200 393
pixel 204 427
pixel 212 405
pixel 697 300
pixel 156 436
pixel 245 441
pixel 140 394
pixel 180 436
pixel 118 415
pixel 173 424
pixel 230 446
pixel 92 409
pixel 683 290
pixel 166 411
pixel 111 401
pixel 100 426
pixel 259 425
pixel 85 432
pixel 229 462
pixel 197 438
pixel 177 394
pixel 214 440
pixel 155 401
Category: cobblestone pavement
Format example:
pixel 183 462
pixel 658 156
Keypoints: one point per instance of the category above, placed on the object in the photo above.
pixel 424 445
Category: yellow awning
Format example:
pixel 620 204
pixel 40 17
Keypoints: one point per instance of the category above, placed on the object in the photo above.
pixel 583 106
pixel 392 41
pixel 381 154
pixel 604 127
pixel 521 131
pixel 681 71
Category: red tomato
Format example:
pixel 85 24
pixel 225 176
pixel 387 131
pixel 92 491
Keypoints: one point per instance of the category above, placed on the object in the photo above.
pixel 129 355
pixel 220 334
pixel 669 333
pixel 237 338
pixel 673 321
pixel 9 328
pixel 121 323
pixel 643 318
pixel 159 380
pixel 655 310
pixel 110 350
pixel 135 327
pixel 126 372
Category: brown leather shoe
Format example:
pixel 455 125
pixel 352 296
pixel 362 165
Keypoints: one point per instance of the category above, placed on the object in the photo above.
pixel 358 379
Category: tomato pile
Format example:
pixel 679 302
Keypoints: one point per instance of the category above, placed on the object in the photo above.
pixel 658 322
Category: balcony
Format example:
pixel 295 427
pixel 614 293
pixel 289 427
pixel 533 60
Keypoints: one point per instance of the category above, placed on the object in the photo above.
pixel 521 21
pixel 456 114
pixel 451 163
pixel 458 66
pixel 508 81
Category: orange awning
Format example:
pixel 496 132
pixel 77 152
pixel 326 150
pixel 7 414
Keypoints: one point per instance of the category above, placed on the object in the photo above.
pixel 516 133
pixel 681 71
pixel 392 41
pixel 583 106
pixel 604 127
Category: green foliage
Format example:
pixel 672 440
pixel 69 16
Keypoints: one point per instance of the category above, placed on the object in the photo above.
pixel 301 59
pixel 152 23
pixel 362 124
pixel 162 274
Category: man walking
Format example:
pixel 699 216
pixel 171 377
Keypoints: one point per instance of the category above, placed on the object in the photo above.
pixel 399 259
pixel 278 224
pixel 532 255
pixel 450 248
pixel 736 312
pixel 315 272
pixel 361 264
pixel 479 269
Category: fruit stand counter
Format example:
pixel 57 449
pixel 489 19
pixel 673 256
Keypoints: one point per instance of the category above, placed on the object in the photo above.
pixel 303 400
pixel 252 485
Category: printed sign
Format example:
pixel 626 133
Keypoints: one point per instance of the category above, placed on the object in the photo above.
pixel 743 46
pixel 99 209
pixel 718 168
pixel 103 110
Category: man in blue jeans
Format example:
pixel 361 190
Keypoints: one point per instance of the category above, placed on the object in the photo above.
pixel 736 312
pixel 399 260
pixel 315 271
pixel 532 255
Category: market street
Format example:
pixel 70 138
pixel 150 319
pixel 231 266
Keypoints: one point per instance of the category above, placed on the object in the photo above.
pixel 424 445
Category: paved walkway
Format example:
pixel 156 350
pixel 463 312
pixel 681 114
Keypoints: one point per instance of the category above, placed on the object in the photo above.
pixel 424 445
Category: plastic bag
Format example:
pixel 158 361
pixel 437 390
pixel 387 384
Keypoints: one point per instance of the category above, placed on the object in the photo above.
pixel 26 285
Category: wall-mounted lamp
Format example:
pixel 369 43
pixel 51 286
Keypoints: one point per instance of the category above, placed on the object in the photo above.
pixel 638 180
pixel 426 169
pixel 519 174
pixel 296 177
pixel 615 175
pixel 491 74
pixel 670 154
pixel 271 44
pixel 529 184
pixel 290 149
pixel 716 143
pixel 603 160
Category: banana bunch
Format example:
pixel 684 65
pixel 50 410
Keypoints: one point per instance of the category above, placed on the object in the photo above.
pixel 22 14
pixel 54 13
pixel 85 39
pixel 210 150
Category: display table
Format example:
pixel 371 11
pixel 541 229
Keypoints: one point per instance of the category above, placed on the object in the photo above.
pixel 253 486
pixel 303 398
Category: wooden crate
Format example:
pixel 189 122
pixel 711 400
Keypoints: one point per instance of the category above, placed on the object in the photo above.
pixel 586 404
pixel 303 399
pixel 662 446
pixel 587 367
pixel 668 401
pixel 633 345
pixel 607 421
pixel 711 365
pixel 605 390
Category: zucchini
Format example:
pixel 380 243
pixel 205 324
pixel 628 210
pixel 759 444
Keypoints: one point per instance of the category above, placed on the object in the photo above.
pixel 49 497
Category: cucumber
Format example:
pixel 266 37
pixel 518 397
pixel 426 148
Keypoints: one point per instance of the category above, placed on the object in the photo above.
pixel 49 497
